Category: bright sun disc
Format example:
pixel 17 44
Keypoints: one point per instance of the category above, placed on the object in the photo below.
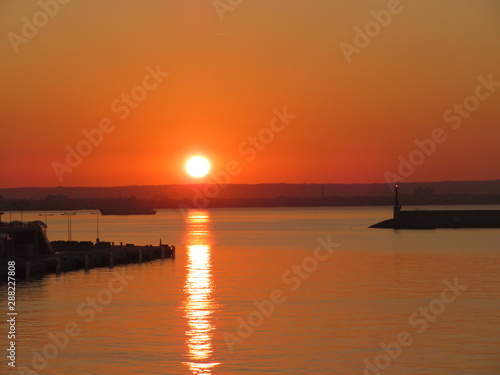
pixel 197 166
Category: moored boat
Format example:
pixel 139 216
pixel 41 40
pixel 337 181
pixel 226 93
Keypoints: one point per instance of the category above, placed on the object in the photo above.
pixel 127 211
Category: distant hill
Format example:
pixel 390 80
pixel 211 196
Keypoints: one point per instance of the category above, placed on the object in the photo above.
pixel 257 191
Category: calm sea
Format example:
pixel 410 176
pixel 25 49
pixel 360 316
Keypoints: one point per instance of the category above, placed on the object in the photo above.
pixel 258 291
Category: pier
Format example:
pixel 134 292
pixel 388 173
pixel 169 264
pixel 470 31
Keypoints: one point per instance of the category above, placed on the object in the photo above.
pixel 35 256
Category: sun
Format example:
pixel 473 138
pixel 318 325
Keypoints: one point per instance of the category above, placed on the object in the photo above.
pixel 197 166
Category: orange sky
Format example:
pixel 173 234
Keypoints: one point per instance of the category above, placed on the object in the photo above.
pixel 225 78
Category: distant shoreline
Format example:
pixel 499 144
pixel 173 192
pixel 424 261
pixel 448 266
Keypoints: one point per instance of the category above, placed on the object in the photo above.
pixel 59 203
pixel 244 195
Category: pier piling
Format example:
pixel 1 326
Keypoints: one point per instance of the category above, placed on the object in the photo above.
pixel 87 262
pixel 58 265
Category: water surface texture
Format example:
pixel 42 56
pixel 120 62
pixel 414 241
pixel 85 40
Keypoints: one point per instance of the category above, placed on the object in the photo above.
pixel 258 291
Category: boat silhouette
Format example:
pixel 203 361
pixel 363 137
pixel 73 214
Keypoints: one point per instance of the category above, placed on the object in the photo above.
pixel 127 211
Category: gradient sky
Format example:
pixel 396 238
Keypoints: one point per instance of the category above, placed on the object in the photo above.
pixel 226 76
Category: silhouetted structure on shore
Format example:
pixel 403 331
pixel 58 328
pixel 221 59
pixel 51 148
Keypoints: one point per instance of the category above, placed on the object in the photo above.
pixel 433 219
pixel 35 256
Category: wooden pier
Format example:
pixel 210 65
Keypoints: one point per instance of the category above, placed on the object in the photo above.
pixel 86 259
pixel 35 257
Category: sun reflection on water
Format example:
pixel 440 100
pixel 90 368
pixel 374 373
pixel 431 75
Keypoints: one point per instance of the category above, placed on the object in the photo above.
pixel 200 305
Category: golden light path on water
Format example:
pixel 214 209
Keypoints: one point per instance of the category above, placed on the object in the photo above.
pixel 199 305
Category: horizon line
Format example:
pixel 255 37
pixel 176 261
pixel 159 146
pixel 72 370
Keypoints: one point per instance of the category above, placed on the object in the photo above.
pixel 250 184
